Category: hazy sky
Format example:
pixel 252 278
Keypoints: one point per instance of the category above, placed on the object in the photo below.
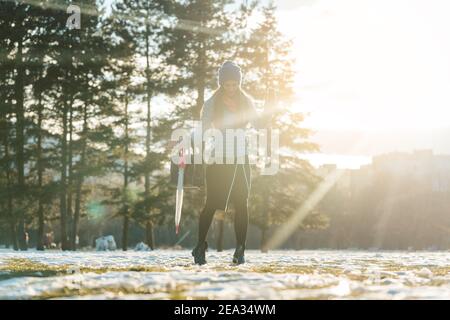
pixel 374 74
pixel 371 64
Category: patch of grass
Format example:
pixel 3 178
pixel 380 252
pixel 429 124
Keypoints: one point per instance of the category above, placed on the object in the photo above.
pixel 436 270
pixel 123 269
pixel 302 269
pixel 11 275
pixel 20 267
pixel 274 268
pixel 176 292
pixel 440 271
pixel 17 267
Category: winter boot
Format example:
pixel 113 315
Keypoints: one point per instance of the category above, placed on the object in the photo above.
pixel 199 253
pixel 238 256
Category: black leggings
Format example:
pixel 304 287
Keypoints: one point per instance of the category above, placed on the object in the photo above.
pixel 219 178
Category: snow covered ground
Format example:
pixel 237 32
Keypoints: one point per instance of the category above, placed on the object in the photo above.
pixel 171 274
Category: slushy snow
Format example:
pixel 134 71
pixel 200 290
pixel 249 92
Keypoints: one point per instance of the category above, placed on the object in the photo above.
pixel 282 274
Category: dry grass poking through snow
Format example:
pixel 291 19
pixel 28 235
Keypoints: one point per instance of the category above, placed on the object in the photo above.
pixel 166 274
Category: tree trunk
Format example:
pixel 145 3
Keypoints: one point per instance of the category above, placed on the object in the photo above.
pixel 14 238
pixel 20 141
pixel 21 232
pixel 40 169
pixel 69 181
pixel 80 179
pixel 76 216
pixel 63 184
pixel 126 222
pixel 149 236
pixel 148 135
pixel 41 227
pixel 13 227
pixel 125 182
pixel 10 216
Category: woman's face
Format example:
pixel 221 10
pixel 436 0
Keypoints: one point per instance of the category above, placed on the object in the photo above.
pixel 230 87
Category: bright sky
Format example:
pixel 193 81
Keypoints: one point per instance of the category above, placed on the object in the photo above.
pixel 376 67
pixel 371 64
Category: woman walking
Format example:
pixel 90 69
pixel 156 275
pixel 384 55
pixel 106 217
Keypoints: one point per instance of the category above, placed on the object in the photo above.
pixel 228 108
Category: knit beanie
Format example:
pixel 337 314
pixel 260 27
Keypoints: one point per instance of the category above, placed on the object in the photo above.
pixel 229 71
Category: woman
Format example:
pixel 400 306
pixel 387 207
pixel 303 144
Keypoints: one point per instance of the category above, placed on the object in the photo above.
pixel 228 108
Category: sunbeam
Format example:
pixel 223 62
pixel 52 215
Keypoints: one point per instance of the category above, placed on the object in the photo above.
pixel 181 24
pixel 291 225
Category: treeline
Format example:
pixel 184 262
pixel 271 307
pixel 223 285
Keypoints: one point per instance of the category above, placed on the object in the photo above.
pixel 85 112
pixel 385 209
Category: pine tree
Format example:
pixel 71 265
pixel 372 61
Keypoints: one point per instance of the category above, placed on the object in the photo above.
pixel 141 22
pixel 122 66
pixel 6 161
pixel 76 59
pixel 6 113
pixel 18 19
pixel 195 44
